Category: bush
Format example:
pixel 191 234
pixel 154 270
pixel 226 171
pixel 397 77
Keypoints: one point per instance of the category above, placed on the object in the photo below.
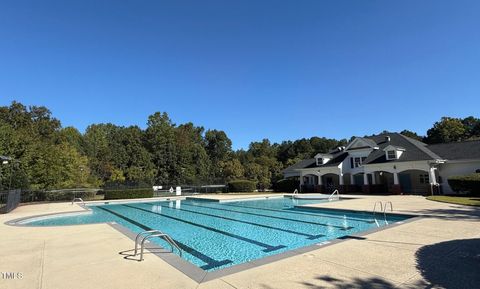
pixel 286 185
pixel 128 193
pixel 241 186
pixel 69 195
pixel 467 183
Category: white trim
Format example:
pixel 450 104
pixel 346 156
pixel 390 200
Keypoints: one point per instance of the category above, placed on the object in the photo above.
pixel 461 161
pixel 393 148
pixel 359 139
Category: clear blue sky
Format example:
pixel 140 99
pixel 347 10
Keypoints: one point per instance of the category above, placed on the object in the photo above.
pixel 256 69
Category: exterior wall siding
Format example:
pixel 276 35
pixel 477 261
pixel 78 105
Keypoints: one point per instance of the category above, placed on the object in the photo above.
pixel 454 169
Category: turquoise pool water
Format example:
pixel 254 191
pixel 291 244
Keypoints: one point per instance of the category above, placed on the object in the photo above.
pixel 216 235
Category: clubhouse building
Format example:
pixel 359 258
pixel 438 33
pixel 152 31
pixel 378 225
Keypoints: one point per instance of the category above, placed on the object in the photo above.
pixel 387 163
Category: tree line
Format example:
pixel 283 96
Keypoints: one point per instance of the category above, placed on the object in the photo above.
pixel 46 155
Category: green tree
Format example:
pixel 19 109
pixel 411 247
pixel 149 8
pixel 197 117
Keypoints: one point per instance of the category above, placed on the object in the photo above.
pixel 411 134
pixel 192 157
pixel 73 137
pixel 233 170
pixel 258 173
pixel 448 129
pixel 160 141
pixel 97 149
pixel 472 127
pixel 219 149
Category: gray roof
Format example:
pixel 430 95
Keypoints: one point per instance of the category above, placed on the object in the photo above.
pixel 338 157
pixel 335 161
pixel 301 165
pixel 414 150
pixel 457 150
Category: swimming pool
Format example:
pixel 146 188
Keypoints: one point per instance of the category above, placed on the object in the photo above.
pixel 216 235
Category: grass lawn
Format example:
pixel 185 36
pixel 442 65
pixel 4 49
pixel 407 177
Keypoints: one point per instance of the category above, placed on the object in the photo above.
pixel 469 201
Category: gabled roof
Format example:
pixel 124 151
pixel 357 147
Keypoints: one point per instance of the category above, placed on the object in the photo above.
pixel 335 161
pixel 414 150
pixel 361 143
pixel 300 165
pixel 457 150
pixel 392 147
pixel 337 158
pixel 321 155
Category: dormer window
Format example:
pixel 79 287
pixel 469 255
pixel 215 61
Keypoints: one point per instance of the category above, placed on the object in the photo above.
pixel 322 159
pixel 393 152
pixel 391 155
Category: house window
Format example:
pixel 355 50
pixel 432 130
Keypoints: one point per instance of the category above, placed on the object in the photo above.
pixel 319 161
pixel 391 155
pixel 357 162
pixel 424 179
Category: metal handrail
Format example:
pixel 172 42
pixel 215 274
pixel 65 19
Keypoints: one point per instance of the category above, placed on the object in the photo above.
pixel 78 199
pixel 385 208
pixel 334 193
pixel 139 235
pixel 375 207
pixel 160 235
pixel 295 192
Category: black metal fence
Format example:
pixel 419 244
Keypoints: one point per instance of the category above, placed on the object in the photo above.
pixel 9 200
pixel 166 191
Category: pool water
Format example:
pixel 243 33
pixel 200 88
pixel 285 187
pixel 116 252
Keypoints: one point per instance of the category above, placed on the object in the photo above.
pixel 215 235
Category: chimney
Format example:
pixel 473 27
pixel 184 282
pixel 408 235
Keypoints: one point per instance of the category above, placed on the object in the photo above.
pixel 387 139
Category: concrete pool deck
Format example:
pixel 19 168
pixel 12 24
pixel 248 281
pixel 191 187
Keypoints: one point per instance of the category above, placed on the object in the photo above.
pixel 425 253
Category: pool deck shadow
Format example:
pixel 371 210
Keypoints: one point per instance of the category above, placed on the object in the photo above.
pixel 416 254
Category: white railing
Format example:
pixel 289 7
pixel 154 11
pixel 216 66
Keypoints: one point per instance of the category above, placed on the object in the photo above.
pixel 375 206
pixel 335 196
pixel 383 209
pixel 78 199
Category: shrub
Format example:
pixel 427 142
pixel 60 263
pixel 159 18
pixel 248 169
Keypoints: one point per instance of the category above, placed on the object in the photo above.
pixel 128 193
pixel 286 185
pixel 69 195
pixel 241 186
pixel 467 183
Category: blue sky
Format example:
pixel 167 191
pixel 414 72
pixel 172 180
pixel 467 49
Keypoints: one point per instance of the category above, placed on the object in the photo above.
pixel 256 69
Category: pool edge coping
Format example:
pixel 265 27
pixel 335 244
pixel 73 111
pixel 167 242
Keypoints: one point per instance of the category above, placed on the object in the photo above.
pixel 199 275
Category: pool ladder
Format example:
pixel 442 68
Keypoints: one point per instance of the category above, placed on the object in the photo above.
pixel 142 237
pixel 334 196
pixel 78 199
pixel 383 209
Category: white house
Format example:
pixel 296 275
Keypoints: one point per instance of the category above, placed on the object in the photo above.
pixel 389 162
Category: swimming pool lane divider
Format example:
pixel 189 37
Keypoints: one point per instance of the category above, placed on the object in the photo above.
pixel 268 248
pixel 299 213
pixel 210 262
pixel 273 217
pixel 309 236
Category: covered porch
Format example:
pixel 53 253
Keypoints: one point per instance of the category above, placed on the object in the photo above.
pixel 326 181
pixel 409 178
